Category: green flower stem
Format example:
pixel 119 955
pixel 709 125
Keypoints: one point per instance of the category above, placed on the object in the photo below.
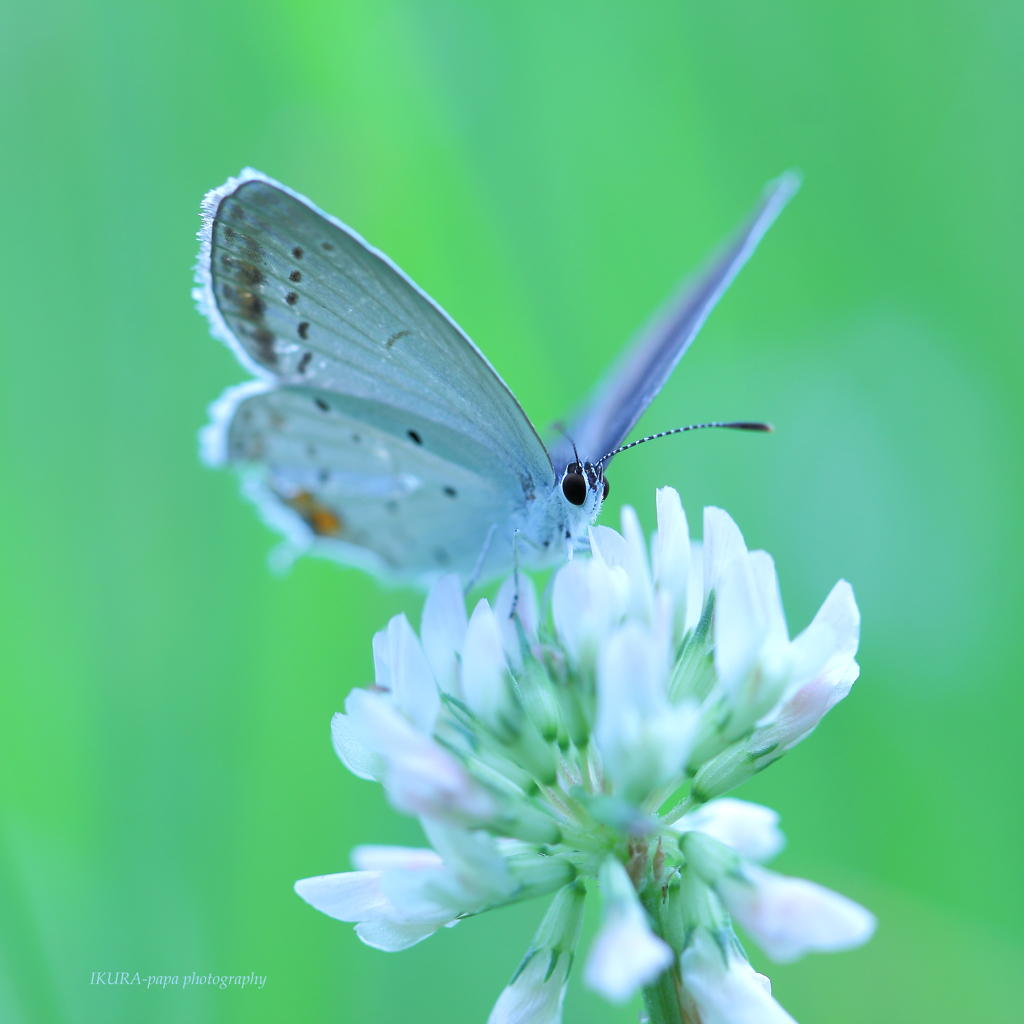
pixel 663 999
pixel 684 806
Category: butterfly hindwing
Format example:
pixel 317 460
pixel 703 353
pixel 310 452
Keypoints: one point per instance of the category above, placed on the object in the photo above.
pixel 331 479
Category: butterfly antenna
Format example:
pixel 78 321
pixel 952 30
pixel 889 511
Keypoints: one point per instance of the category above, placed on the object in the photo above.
pixel 765 428
pixel 565 433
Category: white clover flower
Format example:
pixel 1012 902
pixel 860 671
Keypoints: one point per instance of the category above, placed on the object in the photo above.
pixel 750 829
pixel 537 989
pixel 787 917
pixel 724 989
pixel 594 738
pixel 626 954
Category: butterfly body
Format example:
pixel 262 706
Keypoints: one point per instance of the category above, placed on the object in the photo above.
pixel 375 432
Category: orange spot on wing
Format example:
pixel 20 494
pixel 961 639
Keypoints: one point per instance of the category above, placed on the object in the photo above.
pixel 323 521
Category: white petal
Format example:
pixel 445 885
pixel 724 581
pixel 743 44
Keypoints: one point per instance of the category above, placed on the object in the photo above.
pixel 828 645
pixel 426 896
pixel 625 954
pixel 484 671
pixel 789 917
pixel 399 897
pixel 473 876
pixel 392 937
pixel 631 675
pixel 569 594
pixel 800 713
pixel 531 999
pixel 428 781
pixel 625 556
pixel 478 871
pixel 526 612
pixel 443 630
pixel 389 858
pixel 752 650
pixel 350 744
pixel 830 642
pixel 749 829
pixel 400 661
pixel 722 543
pixel 726 992
pixel 644 741
pixel 740 629
pixel 610 546
pixel 670 555
pixel 615 555
pixel 587 599
pixel 347 896
pixel 766 582
pixel 641 588
pixel 420 776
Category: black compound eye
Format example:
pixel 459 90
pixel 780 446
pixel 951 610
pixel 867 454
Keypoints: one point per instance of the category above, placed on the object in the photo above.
pixel 574 487
pixel 604 497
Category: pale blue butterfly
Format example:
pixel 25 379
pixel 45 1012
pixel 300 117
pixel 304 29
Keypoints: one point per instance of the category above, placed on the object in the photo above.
pixel 377 433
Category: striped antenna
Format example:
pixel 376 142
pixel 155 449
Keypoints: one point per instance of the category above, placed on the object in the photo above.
pixel 764 428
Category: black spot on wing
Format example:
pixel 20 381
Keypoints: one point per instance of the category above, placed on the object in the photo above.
pixel 296 276
pixel 253 249
pixel 297 252
pixel 450 491
pixel 327 246
pixel 303 330
pixel 321 404
pixel 394 337
pixel 252 274
pixel 304 361
pixel 415 437
pixel 291 298
pixel 265 345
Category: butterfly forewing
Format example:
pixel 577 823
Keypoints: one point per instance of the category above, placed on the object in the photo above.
pixel 312 304
pixel 641 372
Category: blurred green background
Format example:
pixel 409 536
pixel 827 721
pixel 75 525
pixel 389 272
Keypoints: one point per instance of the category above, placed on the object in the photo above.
pixel 548 171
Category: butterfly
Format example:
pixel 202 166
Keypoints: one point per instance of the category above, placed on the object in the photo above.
pixel 375 432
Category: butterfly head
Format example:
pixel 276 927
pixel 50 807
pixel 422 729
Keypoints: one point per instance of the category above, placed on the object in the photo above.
pixel 584 489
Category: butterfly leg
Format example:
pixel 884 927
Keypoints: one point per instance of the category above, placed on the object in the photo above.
pixel 475 574
pixel 515 574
